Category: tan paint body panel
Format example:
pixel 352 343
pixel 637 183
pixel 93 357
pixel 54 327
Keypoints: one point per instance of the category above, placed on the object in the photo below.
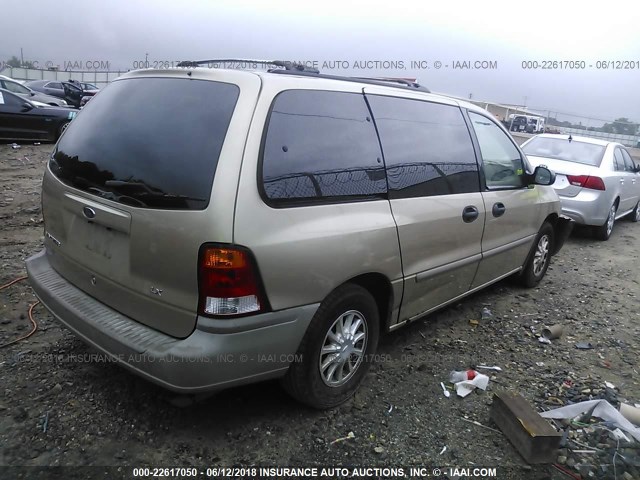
pixel 507 239
pixel 305 252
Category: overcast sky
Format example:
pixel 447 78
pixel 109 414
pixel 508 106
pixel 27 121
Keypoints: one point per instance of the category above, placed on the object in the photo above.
pixel 121 32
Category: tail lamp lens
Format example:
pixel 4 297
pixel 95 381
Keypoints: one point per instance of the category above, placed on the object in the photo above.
pixel 228 282
pixel 586 181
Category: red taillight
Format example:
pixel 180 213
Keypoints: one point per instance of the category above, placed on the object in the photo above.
pixel 586 181
pixel 228 282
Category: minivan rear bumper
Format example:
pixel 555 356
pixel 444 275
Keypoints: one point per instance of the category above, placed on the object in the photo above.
pixel 216 355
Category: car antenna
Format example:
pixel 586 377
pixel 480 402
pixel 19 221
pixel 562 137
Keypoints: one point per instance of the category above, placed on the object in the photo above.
pixel 570 138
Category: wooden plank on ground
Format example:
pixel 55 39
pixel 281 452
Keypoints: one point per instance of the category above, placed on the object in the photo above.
pixel 532 436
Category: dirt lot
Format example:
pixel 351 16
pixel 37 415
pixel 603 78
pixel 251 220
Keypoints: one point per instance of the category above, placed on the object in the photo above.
pixel 98 414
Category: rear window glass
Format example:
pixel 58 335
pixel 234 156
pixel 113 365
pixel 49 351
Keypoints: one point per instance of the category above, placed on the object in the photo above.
pixel 321 146
pixel 151 142
pixel 563 149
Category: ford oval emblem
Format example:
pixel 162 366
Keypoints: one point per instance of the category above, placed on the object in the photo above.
pixel 89 212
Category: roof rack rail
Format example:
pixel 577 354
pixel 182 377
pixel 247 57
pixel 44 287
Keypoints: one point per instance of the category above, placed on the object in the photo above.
pixel 293 68
pixel 401 81
pixel 383 82
pixel 283 64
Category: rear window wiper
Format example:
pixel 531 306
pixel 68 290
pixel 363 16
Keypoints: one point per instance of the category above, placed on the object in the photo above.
pixel 148 190
pixel 116 197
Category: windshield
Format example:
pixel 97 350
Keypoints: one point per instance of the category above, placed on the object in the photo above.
pixel 148 142
pixel 563 149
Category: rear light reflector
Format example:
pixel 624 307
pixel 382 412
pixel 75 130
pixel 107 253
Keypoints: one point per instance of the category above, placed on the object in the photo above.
pixel 228 282
pixel 586 181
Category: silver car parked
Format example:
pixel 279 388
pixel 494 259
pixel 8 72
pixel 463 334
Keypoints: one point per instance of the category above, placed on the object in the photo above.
pixel 597 181
pixel 208 228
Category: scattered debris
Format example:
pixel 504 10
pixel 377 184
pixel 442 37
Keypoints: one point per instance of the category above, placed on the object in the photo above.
pixel 445 391
pixel 486 367
pixel 552 332
pixel 595 408
pixel 486 314
pixel 631 413
pixel 45 422
pixel 444 449
pixel 15 146
pixel 584 346
pixel 545 340
pixel 475 422
pixel 465 387
pixel 349 436
pixel 379 449
pixel 458 376
pixel 474 323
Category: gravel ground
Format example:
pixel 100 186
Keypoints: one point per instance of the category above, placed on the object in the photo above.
pixel 96 413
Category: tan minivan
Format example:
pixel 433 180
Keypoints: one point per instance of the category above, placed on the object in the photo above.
pixel 209 227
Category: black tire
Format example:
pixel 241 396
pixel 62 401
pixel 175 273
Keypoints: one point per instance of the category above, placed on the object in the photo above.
pixel 634 216
pixel 63 126
pixel 603 232
pixel 534 271
pixel 304 380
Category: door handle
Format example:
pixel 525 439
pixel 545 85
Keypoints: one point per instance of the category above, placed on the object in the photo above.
pixel 498 209
pixel 469 214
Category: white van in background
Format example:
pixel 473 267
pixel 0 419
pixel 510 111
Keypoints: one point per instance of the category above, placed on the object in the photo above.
pixel 526 123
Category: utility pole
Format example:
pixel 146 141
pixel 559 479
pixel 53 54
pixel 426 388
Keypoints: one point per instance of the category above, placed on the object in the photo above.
pixel 146 62
pixel 21 57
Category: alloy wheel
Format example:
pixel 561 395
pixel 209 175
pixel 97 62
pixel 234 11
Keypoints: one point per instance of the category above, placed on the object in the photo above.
pixel 541 255
pixel 343 348
pixel 611 219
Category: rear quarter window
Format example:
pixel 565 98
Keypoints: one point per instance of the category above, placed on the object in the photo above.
pixel 148 142
pixel 320 146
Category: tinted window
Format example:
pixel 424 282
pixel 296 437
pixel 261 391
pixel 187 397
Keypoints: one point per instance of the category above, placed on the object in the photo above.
pixel 10 99
pixel 618 160
pixel 148 142
pixel 321 145
pixel 501 161
pixel 427 147
pixel 628 162
pixel 561 148
pixel 54 85
pixel 15 87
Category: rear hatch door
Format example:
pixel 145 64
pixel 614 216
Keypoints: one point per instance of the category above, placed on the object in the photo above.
pixel 143 177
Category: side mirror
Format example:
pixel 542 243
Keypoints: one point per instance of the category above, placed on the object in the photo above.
pixel 636 169
pixel 26 107
pixel 543 176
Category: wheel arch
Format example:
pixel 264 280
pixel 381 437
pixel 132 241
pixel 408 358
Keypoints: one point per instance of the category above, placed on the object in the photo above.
pixel 379 286
pixel 562 228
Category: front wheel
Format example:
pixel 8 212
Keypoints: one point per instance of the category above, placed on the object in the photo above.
pixel 539 259
pixel 336 349
pixel 603 232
